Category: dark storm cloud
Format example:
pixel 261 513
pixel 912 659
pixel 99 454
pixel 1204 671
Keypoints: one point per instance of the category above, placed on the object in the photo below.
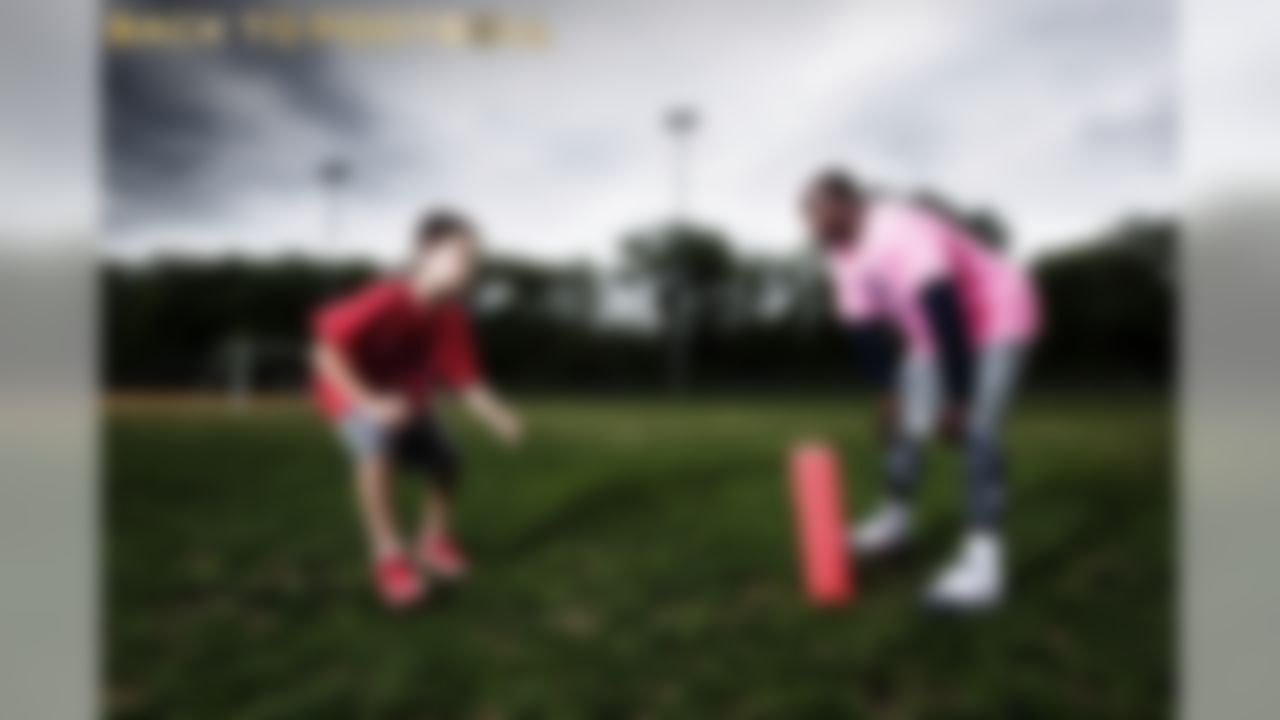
pixel 172 119
pixel 160 132
pixel 1059 112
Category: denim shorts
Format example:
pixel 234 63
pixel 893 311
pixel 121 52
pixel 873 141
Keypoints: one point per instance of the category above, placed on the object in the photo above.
pixel 420 445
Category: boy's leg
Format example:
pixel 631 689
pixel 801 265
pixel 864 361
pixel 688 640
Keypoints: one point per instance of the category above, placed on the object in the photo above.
pixel 438 549
pixel 373 494
pixel 975 578
pixel 426 448
pixel 918 391
pixel 367 444
pixel 435 514
pixel 396 579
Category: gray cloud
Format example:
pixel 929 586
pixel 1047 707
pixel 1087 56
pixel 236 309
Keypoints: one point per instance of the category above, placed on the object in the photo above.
pixel 1012 104
pixel 187 132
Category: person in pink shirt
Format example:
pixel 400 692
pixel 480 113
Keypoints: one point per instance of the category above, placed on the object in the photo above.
pixel 964 318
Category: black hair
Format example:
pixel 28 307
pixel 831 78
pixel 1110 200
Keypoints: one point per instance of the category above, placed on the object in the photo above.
pixel 439 226
pixel 836 184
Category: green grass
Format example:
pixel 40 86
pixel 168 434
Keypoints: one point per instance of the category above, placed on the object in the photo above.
pixel 635 560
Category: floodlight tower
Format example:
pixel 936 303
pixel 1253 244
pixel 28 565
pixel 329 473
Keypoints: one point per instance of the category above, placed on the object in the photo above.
pixel 681 122
pixel 334 174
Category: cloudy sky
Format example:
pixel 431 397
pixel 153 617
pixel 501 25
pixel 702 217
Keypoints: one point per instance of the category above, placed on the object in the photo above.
pixel 1060 114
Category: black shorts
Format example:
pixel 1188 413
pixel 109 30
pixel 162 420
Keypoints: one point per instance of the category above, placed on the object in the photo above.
pixel 420 445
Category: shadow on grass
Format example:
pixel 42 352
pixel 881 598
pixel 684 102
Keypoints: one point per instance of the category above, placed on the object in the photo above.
pixel 616 499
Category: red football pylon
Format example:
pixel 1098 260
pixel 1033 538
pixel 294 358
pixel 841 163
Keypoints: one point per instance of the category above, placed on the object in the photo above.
pixel 825 566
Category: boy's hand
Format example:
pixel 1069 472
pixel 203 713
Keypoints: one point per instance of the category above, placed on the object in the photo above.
pixel 486 406
pixel 390 411
pixel 509 427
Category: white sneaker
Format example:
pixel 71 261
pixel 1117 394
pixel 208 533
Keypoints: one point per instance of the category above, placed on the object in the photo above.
pixel 974 580
pixel 881 532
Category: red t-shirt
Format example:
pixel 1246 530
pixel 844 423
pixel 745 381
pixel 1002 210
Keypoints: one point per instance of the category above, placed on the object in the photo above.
pixel 395 344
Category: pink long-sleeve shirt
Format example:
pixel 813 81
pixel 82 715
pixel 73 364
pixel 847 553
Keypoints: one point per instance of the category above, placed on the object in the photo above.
pixel 900 249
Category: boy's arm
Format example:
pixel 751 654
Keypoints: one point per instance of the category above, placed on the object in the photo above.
pixel 334 328
pixel 456 361
pixel 480 400
pixel 332 364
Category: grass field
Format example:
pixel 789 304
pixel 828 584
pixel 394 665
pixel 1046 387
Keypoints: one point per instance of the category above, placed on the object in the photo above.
pixel 635 560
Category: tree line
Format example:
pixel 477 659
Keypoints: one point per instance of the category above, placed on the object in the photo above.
pixel 684 311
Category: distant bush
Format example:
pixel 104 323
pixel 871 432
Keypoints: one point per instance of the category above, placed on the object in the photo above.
pixel 1110 312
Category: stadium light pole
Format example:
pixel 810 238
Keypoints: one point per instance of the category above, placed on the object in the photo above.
pixel 681 122
pixel 239 358
pixel 334 175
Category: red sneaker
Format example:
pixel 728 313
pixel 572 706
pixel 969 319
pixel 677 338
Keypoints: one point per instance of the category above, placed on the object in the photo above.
pixel 443 557
pixel 397 582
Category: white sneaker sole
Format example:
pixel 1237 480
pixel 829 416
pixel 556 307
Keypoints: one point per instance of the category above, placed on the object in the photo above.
pixel 953 606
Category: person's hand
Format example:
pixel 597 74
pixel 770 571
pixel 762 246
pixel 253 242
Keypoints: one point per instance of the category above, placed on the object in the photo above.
pixel 493 413
pixel 389 411
pixel 509 428
pixel 953 423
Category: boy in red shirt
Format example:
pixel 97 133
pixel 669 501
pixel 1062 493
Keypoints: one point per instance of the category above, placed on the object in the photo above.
pixel 379 353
